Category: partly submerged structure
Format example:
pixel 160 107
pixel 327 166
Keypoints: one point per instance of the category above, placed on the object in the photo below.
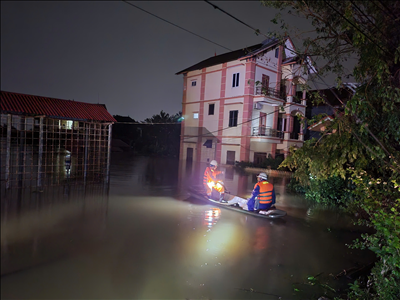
pixel 49 142
pixel 242 105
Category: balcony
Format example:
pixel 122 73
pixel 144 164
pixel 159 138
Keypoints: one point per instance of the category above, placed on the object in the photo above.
pixel 297 100
pixel 267 131
pixel 294 135
pixel 270 92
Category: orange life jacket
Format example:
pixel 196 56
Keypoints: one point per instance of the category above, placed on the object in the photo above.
pixel 266 188
pixel 209 175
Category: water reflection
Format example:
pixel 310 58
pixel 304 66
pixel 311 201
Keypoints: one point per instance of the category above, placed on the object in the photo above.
pixel 211 216
pixel 149 240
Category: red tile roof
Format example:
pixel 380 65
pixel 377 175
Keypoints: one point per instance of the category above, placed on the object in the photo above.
pixel 54 108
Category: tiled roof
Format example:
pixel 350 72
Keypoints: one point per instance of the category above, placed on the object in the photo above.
pixel 231 56
pixel 55 108
pixel 266 44
pixel 290 60
pixel 222 58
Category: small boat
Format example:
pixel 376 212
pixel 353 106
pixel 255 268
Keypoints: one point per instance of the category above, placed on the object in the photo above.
pixel 231 202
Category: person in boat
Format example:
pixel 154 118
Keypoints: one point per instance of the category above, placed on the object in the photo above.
pixel 210 177
pixel 265 193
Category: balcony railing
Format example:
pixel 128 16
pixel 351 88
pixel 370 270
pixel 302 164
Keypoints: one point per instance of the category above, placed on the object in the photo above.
pixel 294 135
pixel 296 100
pixel 267 131
pixel 260 90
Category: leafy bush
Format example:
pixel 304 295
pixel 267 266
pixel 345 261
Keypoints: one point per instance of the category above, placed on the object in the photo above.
pixel 332 191
pixel 268 163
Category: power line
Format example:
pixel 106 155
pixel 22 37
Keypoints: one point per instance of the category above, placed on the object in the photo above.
pixel 388 10
pixel 318 74
pixel 358 29
pixel 257 31
pixel 372 23
pixel 176 25
pixel 237 124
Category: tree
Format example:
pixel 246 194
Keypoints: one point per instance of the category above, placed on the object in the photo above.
pixel 162 138
pixel 164 117
pixel 362 143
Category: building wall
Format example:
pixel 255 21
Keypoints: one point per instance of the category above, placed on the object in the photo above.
pixel 225 148
pixel 267 64
pixel 193 92
pixel 262 147
pixel 218 90
pixel 235 91
pixel 208 154
pixel 268 110
pixel 267 71
pixel 232 105
pixel 213 85
pixel 211 121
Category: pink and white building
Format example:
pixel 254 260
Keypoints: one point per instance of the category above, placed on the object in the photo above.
pixel 241 105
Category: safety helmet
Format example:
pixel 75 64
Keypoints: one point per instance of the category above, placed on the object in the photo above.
pixel 213 163
pixel 263 176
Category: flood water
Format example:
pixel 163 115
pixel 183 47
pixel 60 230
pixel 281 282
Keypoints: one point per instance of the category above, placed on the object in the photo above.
pixel 145 238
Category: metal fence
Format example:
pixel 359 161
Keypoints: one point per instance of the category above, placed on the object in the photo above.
pixel 40 152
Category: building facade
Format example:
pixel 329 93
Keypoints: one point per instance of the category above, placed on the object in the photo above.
pixel 241 105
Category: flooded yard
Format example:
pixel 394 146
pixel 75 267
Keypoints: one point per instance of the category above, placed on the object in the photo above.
pixel 145 238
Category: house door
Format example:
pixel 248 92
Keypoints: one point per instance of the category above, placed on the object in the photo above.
pixel 259 158
pixel 189 154
pixel 265 82
pixel 296 129
pixel 230 157
pixel 280 126
pixel 263 123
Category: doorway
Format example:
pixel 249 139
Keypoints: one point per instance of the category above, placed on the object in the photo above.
pixel 230 157
pixel 189 155
pixel 263 123
pixel 259 158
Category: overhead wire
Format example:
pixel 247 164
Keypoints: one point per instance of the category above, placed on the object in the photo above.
pixel 244 122
pixel 180 27
pixel 216 7
pixel 372 23
pixel 388 11
pixel 358 29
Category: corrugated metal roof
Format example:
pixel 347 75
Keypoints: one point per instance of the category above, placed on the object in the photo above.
pixel 54 108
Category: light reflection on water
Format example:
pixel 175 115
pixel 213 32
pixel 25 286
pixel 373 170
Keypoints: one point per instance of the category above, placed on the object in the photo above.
pixel 150 240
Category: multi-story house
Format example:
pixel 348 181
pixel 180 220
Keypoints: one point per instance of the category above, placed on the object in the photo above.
pixel 241 105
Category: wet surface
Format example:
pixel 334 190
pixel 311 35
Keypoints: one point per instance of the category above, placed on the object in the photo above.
pixel 145 238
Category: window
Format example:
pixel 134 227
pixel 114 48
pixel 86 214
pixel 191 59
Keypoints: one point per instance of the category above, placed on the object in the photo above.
pixel 65 124
pixel 208 144
pixel 277 52
pixel 211 109
pixel 195 115
pixel 235 80
pixel 233 116
pixel 194 83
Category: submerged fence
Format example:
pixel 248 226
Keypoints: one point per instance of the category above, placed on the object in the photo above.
pixel 39 154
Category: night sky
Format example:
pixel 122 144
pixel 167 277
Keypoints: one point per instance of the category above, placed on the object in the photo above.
pixel 114 54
